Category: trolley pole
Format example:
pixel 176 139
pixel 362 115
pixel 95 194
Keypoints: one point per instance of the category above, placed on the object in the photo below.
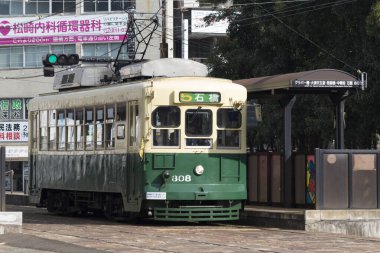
pixel 2 179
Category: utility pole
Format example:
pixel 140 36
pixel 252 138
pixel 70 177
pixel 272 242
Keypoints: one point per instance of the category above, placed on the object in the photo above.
pixel 164 44
pixel 2 179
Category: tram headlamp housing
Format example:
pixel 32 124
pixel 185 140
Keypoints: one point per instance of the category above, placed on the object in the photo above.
pixel 165 174
pixel 198 170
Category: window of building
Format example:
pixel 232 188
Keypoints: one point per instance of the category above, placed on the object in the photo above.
pixel 108 5
pixel 164 119
pixel 104 50
pixel 11 7
pixel 121 5
pixel 33 55
pixel 36 6
pixel 11 57
pixel 59 6
pixel 29 56
pixel 16 7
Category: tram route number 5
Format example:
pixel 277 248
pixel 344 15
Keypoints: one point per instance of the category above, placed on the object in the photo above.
pixel 181 178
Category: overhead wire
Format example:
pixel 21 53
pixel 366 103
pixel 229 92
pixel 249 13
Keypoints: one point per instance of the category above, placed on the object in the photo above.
pixel 312 42
pixel 170 35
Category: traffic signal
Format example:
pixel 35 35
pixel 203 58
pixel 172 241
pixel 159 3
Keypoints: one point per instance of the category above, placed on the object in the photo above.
pixel 48 67
pixel 62 59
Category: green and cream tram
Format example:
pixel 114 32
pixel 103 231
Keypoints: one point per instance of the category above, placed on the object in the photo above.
pixel 171 148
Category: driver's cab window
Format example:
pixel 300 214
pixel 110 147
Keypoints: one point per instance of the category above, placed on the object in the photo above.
pixel 166 121
pixel 229 123
pixel 198 127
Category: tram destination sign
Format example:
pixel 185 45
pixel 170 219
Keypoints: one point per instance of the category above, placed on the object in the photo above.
pixel 325 84
pixel 199 97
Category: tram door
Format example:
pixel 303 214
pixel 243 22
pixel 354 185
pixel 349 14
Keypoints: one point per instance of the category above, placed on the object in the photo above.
pixel 134 172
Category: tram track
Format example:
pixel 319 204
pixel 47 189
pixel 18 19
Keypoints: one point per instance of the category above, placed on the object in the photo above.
pixel 102 235
pixel 161 228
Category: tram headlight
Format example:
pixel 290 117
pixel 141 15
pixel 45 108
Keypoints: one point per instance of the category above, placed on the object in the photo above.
pixel 198 170
pixel 165 175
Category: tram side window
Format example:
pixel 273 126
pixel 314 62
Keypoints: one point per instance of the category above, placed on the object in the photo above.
pixel 99 127
pixel 61 129
pixel 79 128
pixel 198 124
pixel 121 115
pixel 70 129
pixel 165 119
pixel 228 121
pixel 44 141
pixel 89 128
pixel 52 129
pixel 109 127
pixel 134 123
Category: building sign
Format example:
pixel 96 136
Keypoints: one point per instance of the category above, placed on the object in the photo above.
pixel 14 108
pixel 16 152
pixel 63 29
pixel 198 25
pixel 325 84
pixel 199 97
pixel 13 131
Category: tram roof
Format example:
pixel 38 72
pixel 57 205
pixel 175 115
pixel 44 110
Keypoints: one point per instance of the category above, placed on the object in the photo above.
pixel 307 82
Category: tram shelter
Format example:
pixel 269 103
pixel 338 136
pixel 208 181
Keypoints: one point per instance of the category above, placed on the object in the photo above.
pixel 284 88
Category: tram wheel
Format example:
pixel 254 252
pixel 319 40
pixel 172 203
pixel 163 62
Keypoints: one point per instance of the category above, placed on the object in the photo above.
pixel 114 210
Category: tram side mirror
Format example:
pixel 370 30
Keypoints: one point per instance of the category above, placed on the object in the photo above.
pixel 258 113
pixel 120 132
pixel 253 115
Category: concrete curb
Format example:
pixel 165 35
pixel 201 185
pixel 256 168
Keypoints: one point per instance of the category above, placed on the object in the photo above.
pixel 10 222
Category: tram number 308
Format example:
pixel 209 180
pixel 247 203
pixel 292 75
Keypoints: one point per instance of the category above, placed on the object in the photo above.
pixel 181 178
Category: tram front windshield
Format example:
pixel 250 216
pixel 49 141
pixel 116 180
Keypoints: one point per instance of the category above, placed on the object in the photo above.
pixel 198 125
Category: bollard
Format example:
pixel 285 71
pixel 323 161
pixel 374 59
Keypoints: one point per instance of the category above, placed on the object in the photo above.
pixel 2 179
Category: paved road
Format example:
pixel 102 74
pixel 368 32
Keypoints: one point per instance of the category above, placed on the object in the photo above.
pixel 43 232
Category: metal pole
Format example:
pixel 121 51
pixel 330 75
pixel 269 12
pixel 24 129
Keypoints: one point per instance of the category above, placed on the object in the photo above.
pixel 164 44
pixel 339 132
pixel 288 180
pixel 2 179
pixel 185 41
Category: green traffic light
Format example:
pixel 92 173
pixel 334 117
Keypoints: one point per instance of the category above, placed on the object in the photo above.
pixel 52 59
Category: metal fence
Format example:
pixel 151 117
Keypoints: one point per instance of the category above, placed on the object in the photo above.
pixel 265 178
pixel 347 179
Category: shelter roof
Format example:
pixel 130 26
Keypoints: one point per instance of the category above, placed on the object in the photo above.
pixel 308 82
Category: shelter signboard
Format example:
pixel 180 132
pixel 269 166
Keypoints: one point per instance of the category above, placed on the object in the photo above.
pixel 325 84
